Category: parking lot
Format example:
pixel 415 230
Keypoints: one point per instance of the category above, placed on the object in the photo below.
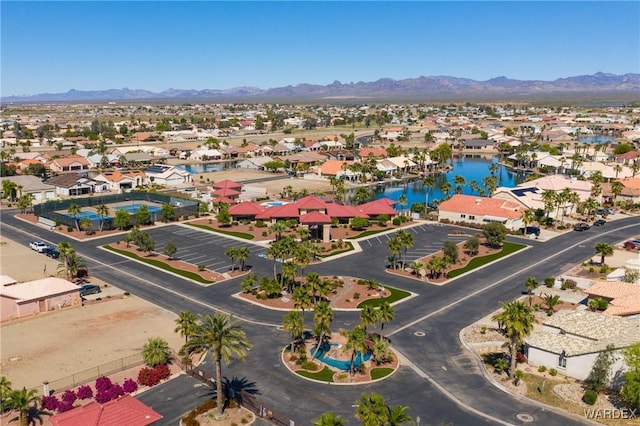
pixel 201 247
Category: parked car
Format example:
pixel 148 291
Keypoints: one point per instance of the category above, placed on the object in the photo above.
pixel 530 230
pixel 38 246
pixel 632 245
pixel 52 252
pixel 602 212
pixel 89 289
pixel 581 227
pixel 599 222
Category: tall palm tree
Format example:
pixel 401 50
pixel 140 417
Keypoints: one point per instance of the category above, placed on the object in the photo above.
pixel 550 199
pixel 74 264
pixel 516 320
pixel 65 248
pixel 604 249
pixel 459 180
pixel 406 241
pixel 380 350
pixel 156 351
pixel 368 316
pixel 23 401
pixel 322 318
pixel 302 300
pixel 397 416
pixel 329 419
pixel 402 200
pixel 528 217
pixel 75 210
pixel 395 247
pixel 372 410
pixel 278 228
pixel 356 342
pixel 185 324
pixel 103 211
pixel 314 284
pixel 231 253
pixel 386 314
pixel 224 337
pixel 294 323
pixel 531 284
pixel 616 188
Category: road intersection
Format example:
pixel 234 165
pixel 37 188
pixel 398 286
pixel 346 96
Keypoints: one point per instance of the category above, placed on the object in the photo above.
pixel 440 380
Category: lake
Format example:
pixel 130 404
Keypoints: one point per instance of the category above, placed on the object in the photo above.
pixel 597 139
pixel 470 167
pixel 202 168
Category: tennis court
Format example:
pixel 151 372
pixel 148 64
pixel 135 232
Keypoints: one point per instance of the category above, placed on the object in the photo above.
pixel 133 208
pixel 83 214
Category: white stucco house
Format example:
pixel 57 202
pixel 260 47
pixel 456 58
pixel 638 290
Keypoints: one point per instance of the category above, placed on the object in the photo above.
pixel 571 340
pixel 167 175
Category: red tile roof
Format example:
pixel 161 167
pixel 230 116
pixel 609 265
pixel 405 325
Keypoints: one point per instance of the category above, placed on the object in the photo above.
pixel 225 192
pixel 376 152
pixel 338 210
pixel 227 184
pixel 285 211
pixel 311 202
pixel 125 410
pixel 248 208
pixel 378 207
pixel 482 206
pixel 315 217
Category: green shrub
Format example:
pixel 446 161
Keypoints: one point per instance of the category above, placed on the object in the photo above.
pixel 590 396
pixel 542 369
pixel 265 233
pixel 571 284
pixel 356 296
pixel 201 268
pixel 549 281
pixel 260 223
pixel 69 228
pixel 126 293
pixel 396 221
pixel 553 372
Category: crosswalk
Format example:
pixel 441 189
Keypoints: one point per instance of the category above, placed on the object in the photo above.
pixel 202 248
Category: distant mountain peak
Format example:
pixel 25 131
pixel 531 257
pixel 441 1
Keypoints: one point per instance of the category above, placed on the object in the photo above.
pixel 604 86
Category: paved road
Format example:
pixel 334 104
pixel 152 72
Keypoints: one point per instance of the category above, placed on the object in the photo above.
pixel 443 384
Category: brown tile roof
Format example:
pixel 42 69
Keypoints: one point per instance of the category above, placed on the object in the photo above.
pixel 482 206
pixel 67 161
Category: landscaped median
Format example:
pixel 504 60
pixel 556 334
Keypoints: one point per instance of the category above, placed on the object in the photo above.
pixel 174 266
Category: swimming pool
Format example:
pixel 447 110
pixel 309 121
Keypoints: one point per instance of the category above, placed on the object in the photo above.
pixel 273 203
pixel 133 208
pixel 343 365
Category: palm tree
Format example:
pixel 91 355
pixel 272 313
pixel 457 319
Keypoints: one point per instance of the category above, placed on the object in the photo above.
pixel 23 401
pixel 368 316
pixel 156 351
pixel 322 318
pixel 329 419
pixel 397 416
pixel 402 200
pixel 356 342
pixel 231 253
pixel 224 338
pixel 278 228
pixel 85 224
pixel 65 250
pixel 302 300
pixel 372 410
pixel 616 188
pixel 294 323
pixel 386 314
pixel 103 211
pixel 604 249
pixel 75 210
pixel 459 180
pixel 528 217
pixel 185 324
pixel 380 350
pixel 416 268
pixel 406 241
pixel 531 284
pixel 516 320
pixel 550 200
pixel 74 264
pixel 551 300
pixel 395 247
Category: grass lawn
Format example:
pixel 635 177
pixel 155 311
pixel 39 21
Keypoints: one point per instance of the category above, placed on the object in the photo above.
pixel 380 372
pixel 507 249
pixel 160 264
pixel 243 235
pixel 324 375
pixel 395 295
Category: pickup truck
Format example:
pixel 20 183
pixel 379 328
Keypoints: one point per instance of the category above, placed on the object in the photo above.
pixel 38 246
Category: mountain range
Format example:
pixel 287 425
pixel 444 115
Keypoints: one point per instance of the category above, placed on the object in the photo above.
pixel 599 86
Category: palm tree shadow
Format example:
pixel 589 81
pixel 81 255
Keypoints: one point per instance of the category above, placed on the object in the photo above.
pixel 234 388
pixel 35 415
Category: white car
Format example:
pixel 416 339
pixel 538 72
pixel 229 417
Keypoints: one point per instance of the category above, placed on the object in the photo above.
pixel 38 246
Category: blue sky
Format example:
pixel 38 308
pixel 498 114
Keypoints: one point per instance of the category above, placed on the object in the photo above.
pixel 56 46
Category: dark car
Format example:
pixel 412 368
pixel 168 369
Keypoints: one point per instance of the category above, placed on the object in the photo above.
pixel 52 252
pixel 599 222
pixel 530 230
pixel 581 227
pixel 89 289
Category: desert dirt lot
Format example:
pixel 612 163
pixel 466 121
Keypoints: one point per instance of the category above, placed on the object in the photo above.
pixel 60 343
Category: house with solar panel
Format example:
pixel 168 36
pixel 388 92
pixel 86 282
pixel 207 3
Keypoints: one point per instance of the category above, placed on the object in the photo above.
pixel 161 174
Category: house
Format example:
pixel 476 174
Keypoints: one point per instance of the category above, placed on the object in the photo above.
pixel 623 298
pixel 73 184
pixel 167 175
pixel 73 163
pixel 125 410
pixel 121 181
pixel 479 210
pixel 206 155
pixel 253 163
pixel 570 341
pixel 480 145
pixel 376 152
pixel 630 190
pixel 28 184
pixel 338 169
pixel 19 300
